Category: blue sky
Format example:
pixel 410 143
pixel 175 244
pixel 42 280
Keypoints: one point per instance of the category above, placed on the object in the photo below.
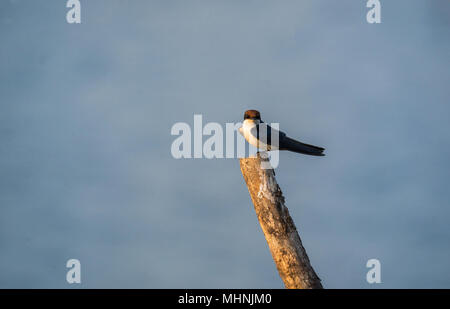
pixel 85 118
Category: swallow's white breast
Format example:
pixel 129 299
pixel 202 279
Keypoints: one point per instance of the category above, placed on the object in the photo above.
pixel 249 132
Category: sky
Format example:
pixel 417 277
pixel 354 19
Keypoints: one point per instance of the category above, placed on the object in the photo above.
pixel 86 112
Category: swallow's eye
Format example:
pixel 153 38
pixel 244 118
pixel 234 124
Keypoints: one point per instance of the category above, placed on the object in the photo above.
pixel 246 116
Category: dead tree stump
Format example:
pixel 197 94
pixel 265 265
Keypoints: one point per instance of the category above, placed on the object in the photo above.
pixel 279 229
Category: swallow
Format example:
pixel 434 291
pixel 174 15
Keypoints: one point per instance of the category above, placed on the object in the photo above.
pixel 264 137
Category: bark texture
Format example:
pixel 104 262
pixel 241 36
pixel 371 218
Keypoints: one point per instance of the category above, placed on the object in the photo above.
pixel 279 229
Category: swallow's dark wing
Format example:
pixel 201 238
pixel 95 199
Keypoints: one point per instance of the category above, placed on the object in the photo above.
pixel 290 144
pixel 267 134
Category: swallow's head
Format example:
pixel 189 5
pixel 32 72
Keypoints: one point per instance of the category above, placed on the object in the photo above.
pixel 252 115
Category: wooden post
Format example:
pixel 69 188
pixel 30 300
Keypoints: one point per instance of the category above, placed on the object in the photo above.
pixel 281 234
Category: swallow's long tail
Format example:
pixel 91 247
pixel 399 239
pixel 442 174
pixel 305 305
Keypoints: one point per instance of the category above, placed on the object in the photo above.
pixel 290 144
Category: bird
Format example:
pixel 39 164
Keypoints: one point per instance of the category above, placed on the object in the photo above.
pixel 262 136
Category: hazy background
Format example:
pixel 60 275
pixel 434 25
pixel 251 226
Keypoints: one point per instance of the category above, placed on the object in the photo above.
pixel 86 170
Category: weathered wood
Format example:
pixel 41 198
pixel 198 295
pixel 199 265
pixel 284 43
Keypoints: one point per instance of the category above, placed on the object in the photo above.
pixel 279 229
